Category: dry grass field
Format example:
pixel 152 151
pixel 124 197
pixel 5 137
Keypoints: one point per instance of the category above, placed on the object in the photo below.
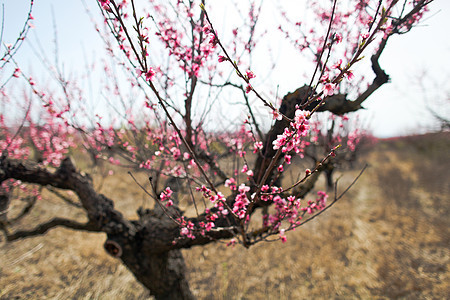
pixel 388 238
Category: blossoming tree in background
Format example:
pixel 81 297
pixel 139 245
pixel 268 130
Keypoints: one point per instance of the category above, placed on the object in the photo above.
pixel 169 78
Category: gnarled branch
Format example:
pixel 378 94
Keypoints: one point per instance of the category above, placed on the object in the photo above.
pixel 100 210
pixel 44 227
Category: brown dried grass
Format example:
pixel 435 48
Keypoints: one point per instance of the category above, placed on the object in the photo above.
pixel 387 238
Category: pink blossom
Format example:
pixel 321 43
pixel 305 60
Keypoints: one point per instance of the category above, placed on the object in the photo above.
pixel 218 197
pixel 243 188
pixel 16 73
pixel 232 242
pixel 328 89
pixel 241 214
pixel 104 3
pixel 184 231
pixel 213 39
pixel 282 236
pixel 149 75
pixel 166 194
pixel 279 142
pixel 222 58
pixel 353 140
pixel 206 191
pixel 176 152
pixel 338 38
pixel 349 75
pixel 257 146
pixel 250 75
pixel 248 88
pixel 114 161
pixel 287 159
pixel 209 226
pixel 277 115
pixel 325 77
pixel 206 29
pixel 231 183
pixel 337 65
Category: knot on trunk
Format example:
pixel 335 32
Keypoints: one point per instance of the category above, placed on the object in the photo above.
pixel 113 248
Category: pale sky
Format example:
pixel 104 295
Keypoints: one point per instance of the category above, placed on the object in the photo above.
pixel 397 108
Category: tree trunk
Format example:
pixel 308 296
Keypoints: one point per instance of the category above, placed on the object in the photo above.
pixel 329 175
pixel 149 255
pixel 163 274
pixel 4 206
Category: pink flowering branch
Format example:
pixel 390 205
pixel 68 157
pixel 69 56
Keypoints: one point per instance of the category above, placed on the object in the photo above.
pixel 12 50
pixel 336 198
pixel 319 60
pixel 340 105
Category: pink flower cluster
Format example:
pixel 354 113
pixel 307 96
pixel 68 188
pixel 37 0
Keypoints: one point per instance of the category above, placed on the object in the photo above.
pixel 231 183
pixel 189 61
pixel 104 3
pixel 319 204
pixel 148 75
pixel 165 197
pixel 353 139
pixel 257 146
pixel 7 187
pixel 247 171
pixel 289 209
pixel 218 200
pixel 291 138
pixel 286 209
pixel 186 228
pixel 16 148
pixel 52 141
pixel 241 201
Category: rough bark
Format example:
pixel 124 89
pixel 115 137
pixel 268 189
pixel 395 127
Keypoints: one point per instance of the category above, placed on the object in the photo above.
pixel 163 274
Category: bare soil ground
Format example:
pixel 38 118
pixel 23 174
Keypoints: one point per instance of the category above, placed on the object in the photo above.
pixel 388 238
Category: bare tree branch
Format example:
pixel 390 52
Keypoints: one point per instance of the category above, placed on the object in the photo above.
pixel 30 203
pixel 63 197
pixel 44 227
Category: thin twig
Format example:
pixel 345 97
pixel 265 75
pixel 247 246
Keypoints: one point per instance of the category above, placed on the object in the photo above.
pixel 336 198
